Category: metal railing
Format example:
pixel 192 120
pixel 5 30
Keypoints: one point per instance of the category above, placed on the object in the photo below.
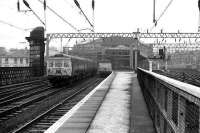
pixel 11 75
pixel 173 105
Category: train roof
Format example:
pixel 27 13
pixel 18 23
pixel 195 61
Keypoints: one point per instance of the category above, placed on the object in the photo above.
pixel 61 55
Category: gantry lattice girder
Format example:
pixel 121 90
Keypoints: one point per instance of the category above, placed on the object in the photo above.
pixel 134 35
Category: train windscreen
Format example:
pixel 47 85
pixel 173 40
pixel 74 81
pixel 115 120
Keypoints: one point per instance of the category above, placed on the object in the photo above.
pixel 50 63
pixel 58 63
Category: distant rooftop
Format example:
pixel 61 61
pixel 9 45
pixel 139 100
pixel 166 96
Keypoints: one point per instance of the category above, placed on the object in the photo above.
pixel 16 53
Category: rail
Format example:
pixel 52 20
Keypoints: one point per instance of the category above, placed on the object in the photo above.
pixel 11 75
pixel 173 105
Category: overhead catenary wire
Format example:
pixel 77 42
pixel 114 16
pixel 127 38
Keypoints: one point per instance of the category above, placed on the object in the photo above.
pixel 11 25
pixel 28 6
pixel 72 26
pixel 67 2
pixel 156 21
pixel 78 5
pixel 165 10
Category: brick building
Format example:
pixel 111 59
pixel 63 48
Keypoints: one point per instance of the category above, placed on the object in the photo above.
pixel 15 58
pixel 115 49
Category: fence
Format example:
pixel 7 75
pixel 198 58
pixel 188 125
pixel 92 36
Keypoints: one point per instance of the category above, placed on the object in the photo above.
pixel 173 105
pixel 10 75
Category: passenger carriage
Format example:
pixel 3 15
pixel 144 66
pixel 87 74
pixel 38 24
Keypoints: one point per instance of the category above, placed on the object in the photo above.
pixel 67 68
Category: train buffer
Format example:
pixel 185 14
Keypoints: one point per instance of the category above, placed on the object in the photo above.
pixel 116 105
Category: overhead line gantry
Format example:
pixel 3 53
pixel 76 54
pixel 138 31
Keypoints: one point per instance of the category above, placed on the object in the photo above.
pixel 133 34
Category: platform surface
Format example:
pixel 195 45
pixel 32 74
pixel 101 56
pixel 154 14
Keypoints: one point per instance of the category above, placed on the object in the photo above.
pixel 123 109
pixel 140 118
pixel 114 114
pixel 78 119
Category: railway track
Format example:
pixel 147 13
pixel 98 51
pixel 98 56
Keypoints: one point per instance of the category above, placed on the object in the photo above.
pixel 13 100
pixel 13 106
pixel 188 76
pixel 16 89
pixel 46 119
pixel 32 103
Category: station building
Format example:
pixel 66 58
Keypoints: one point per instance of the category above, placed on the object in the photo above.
pixel 115 49
pixel 14 60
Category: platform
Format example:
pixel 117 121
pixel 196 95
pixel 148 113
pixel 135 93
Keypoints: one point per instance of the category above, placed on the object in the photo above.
pixel 114 106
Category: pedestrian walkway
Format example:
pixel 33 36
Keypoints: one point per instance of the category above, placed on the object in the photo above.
pixel 115 106
pixel 140 118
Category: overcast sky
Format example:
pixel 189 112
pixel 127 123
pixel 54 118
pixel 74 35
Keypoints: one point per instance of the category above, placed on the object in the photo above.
pixel 110 16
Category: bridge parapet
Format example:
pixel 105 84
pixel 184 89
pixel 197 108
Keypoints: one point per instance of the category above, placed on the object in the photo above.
pixel 173 105
pixel 11 75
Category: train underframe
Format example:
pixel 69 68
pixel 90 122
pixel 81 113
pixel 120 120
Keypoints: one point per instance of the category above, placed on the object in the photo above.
pixel 104 73
pixel 63 80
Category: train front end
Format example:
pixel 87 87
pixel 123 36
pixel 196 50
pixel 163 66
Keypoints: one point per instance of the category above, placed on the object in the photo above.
pixel 59 69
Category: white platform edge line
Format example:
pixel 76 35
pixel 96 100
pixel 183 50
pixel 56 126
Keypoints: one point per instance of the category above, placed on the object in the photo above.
pixel 191 89
pixel 64 118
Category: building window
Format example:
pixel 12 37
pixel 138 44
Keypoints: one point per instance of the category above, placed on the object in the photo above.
pixel 6 60
pixel 15 60
pixel 21 60
pixel 26 61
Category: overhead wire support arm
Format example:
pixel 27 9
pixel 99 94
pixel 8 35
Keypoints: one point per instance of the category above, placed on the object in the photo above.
pixel 155 21
pixel 154 11
pixel 86 18
pixel 28 6
pixel 78 5
pixel 134 35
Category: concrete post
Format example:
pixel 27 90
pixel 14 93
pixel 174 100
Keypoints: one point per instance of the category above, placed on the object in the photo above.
pixel 136 57
pixel 136 53
pixel 131 56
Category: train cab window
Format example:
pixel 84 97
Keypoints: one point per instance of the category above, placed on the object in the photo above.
pixel 66 64
pixel 51 64
pixel 58 64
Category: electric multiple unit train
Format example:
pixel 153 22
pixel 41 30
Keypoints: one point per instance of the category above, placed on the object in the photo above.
pixel 104 68
pixel 67 68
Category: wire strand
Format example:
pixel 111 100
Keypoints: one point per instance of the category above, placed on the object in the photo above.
pixel 72 26
pixel 11 25
pixel 161 15
pixel 165 10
